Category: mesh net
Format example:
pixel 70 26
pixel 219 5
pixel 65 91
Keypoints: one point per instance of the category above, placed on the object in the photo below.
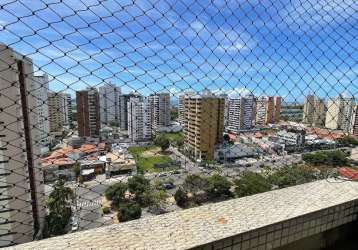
pixel 115 110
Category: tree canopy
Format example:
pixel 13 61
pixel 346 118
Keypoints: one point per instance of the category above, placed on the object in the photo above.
pixel 251 183
pixel 129 211
pixel 162 141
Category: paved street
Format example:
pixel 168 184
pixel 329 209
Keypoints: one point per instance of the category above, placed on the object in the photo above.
pixel 187 164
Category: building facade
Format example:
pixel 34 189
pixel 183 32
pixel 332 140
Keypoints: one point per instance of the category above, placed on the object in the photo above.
pixel 88 116
pixel 69 110
pixel 340 113
pixel 20 172
pixel 314 111
pixel 40 94
pixel 123 110
pixel 203 125
pixel 159 110
pixel 354 126
pixel 59 112
pixel 239 114
pixel 109 103
pixel 139 127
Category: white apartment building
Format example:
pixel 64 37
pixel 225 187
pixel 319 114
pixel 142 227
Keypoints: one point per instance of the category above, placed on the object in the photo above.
pixel 22 199
pixel 139 127
pixel 109 103
pixel 268 110
pixel 159 110
pixel 340 113
pixel 40 94
pixel 58 110
pixel 240 113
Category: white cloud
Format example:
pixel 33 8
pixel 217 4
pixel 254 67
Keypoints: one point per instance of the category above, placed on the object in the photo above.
pixel 234 92
pixel 316 13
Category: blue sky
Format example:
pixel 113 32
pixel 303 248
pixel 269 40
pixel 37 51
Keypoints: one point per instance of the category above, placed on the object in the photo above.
pixel 283 47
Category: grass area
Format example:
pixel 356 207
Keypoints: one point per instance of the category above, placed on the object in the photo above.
pixel 137 151
pixel 147 163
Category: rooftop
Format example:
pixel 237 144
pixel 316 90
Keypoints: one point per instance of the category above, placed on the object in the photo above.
pixel 205 224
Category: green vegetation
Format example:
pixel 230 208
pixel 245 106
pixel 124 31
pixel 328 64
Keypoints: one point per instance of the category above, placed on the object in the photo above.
pixel 106 210
pixel 181 198
pixel 219 186
pixel 162 141
pixel 129 211
pixel 77 169
pixel 137 193
pixel 174 114
pixel 251 183
pixel 59 205
pixel 149 159
pixel 293 175
pixel 174 138
pixel 333 158
pixel 116 193
pixel 348 141
pixel 138 185
pixel 138 151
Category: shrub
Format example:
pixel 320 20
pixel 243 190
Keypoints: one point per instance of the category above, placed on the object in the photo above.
pixel 181 198
pixel 116 192
pixel 129 211
pixel 106 210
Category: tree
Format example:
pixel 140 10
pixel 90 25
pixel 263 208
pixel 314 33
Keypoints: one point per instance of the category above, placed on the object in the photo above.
pixel 114 124
pixel 162 141
pixel 195 183
pixel 77 169
pixel 333 158
pixel 181 198
pixel 116 193
pixel 218 186
pixel 293 175
pixel 59 204
pixel 348 141
pixel 137 185
pixel 251 183
pixel 129 211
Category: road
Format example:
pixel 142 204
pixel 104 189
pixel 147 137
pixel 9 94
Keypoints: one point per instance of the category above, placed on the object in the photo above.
pixel 187 164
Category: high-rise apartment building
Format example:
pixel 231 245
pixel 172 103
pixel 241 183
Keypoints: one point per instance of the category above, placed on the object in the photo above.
pixel 123 110
pixel 69 109
pixel 203 124
pixel 139 127
pixel 354 126
pixel 268 110
pixel 181 108
pixel 314 111
pixel 340 112
pixel 40 94
pixel 264 110
pixel 159 110
pixel 58 112
pixel 240 113
pixel 277 102
pixel 88 117
pixel 109 103
pixel 22 202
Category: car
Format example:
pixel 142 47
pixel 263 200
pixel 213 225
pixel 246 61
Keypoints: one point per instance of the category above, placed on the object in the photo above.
pixel 168 186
